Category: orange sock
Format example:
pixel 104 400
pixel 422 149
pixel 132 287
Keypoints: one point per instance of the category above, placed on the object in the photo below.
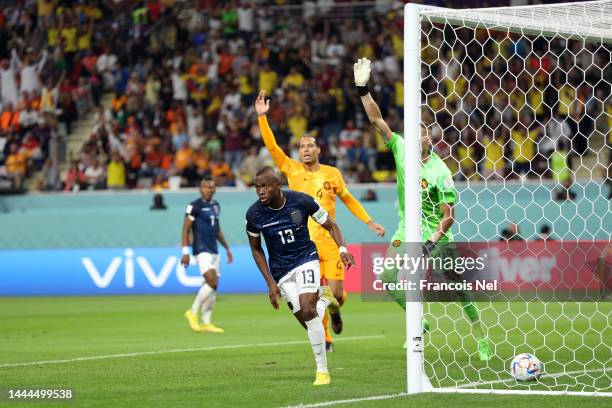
pixel 343 299
pixel 328 336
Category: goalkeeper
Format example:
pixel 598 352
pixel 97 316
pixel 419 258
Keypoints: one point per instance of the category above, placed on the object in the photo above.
pixel 438 198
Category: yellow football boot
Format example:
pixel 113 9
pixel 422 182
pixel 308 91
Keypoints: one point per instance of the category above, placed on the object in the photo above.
pixel 322 379
pixel 210 328
pixel 193 320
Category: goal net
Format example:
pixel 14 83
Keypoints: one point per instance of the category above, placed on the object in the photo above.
pixel 517 103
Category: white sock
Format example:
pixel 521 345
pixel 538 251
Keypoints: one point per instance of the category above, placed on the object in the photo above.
pixel 316 335
pixel 207 307
pixel 203 293
pixel 321 306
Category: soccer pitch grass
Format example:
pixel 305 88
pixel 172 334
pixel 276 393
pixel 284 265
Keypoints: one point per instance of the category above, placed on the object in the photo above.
pixel 139 351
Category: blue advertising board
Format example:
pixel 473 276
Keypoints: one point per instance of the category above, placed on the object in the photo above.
pixel 118 271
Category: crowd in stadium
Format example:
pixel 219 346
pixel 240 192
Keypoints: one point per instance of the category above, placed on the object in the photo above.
pixel 183 80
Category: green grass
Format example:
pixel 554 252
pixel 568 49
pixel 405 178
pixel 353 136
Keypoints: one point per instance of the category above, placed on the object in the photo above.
pixel 41 329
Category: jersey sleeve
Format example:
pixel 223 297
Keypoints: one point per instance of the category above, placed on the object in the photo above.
pixel 396 145
pixel 191 211
pixel 313 209
pixel 340 184
pixel 282 161
pixel 350 201
pixel 251 227
pixel 446 187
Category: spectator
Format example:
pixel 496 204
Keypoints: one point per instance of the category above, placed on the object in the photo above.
pixel 153 160
pixel 250 166
pixel 545 234
pixel 562 172
pixel 213 145
pixel 505 235
pixel 295 79
pixel 16 166
pixel 493 165
pixel 8 83
pixel 50 178
pixel 234 145
pixel 28 119
pixel 195 122
pixel 158 203
pixel 116 172
pixel 183 157
pixel 184 73
pixel 75 178
pixel 221 172
pixel 159 183
pixel 268 79
pixel 30 69
pixel 350 135
pixel 523 150
pixel 95 176
pixel 369 195
pixel 511 233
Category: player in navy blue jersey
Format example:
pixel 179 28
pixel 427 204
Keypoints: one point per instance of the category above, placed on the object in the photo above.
pixel 292 269
pixel 202 219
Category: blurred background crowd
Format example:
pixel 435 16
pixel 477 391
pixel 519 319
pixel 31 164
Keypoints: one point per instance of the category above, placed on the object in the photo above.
pixel 169 89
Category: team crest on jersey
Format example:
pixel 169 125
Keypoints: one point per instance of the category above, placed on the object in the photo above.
pixel 296 217
pixel 448 182
pixel 216 209
pixel 424 183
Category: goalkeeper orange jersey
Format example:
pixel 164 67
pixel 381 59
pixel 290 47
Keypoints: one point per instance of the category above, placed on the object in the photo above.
pixel 324 185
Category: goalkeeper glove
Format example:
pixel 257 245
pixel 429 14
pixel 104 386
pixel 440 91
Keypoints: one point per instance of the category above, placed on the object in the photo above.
pixel 428 247
pixel 361 70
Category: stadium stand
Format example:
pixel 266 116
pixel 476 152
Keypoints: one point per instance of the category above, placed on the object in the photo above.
pixel 180 79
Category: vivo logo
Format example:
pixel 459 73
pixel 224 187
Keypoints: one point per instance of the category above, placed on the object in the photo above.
pixel 129 265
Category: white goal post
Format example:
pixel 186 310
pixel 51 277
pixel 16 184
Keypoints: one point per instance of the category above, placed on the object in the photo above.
pixel 584 32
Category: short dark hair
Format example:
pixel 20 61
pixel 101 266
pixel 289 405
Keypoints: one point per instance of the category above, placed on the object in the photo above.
pixel 207 178
pixel 269 171
pixel 265 170
pixel 545 229
pixel 313 137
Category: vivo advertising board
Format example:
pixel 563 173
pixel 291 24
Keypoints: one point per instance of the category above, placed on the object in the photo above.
pixel 117 271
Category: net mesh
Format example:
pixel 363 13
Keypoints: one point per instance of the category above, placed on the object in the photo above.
pixel 518 103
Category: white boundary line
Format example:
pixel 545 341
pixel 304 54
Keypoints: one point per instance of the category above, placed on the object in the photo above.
pixel 544 376
pixel 348 401
pixel 150 353
pixel 465 389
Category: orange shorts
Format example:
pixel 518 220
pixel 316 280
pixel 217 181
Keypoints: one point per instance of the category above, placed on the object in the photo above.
pixel 329 258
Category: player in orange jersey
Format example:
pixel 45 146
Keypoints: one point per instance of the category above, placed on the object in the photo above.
pixel 323 183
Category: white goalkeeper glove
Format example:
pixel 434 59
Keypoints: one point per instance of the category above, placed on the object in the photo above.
pixel 362 70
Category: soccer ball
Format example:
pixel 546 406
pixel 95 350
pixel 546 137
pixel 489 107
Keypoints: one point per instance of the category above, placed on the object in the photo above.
pixel 526 367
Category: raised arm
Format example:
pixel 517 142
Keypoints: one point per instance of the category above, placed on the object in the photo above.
pixel 15 61
pixel 43 60
pixel 262 107
pixel 361 70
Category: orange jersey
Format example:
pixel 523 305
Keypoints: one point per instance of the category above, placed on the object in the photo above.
pixel 324 185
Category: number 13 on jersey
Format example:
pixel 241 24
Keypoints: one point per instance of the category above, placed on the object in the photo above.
pixel 286 236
